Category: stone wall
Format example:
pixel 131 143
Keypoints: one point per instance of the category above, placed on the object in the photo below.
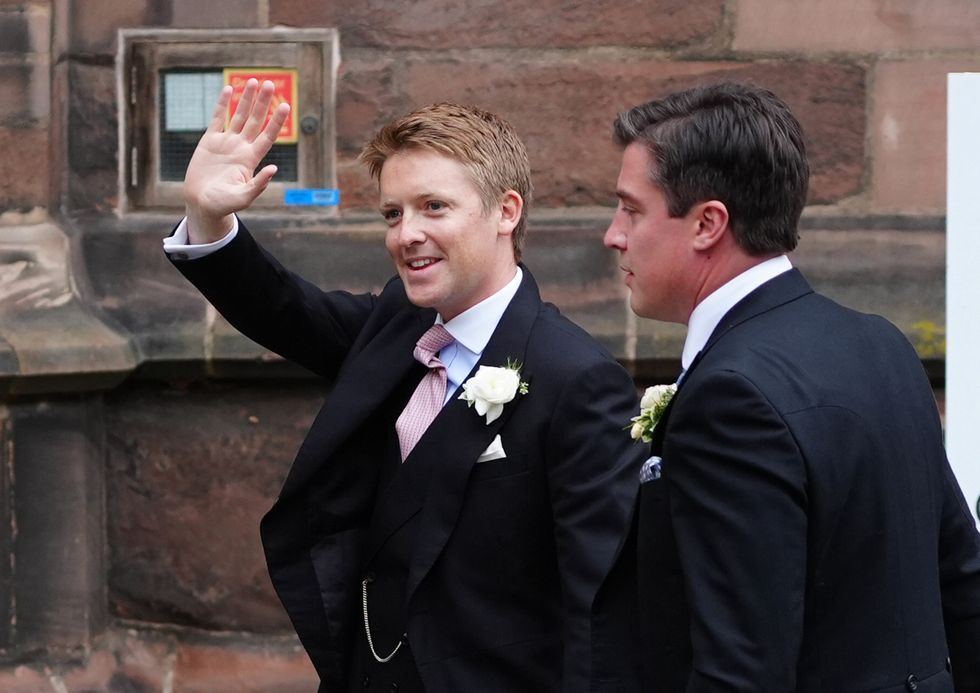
pixel 141 438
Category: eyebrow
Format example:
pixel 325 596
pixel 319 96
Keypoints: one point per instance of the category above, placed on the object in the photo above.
pixel 624 195
pixel 416 198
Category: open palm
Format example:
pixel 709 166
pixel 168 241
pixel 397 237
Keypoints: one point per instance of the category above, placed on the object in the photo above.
pixel 221 178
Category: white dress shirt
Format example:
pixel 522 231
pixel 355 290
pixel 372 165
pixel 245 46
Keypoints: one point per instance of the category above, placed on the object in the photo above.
pixel 471 329
pixel 178 246
pixel 711 310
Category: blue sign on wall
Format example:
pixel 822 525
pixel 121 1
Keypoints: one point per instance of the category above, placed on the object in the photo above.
pixel 313 197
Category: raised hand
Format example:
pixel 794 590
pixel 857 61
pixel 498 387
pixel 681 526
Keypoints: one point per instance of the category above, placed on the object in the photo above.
pixel 221 177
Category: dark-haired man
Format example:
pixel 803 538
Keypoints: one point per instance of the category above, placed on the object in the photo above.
pixel 799 527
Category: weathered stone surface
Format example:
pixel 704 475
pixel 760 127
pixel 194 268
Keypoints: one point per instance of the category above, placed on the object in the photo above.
pixel 228 14
pixel 368 96
pixel 899 274
pixel 22 189
pixel 563 111
pixel 24 29
pixel 434 24
pixel 203 669
pixel 24 93
pixel 58 568
pixel 189 475
pixel 151 662
pixel 51 332
pixel 92 139
pixel 579 275
pixel 869 26
pixel 24 679
pixel 131 280
pixel 14 34
pixel 909 134
pixel 93 23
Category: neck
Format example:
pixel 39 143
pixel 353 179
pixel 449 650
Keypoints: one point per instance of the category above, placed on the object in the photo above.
pixel 720 269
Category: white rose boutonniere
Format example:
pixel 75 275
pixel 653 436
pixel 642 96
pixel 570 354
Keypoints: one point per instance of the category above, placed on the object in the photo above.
pixel 652 406
pixel 492 387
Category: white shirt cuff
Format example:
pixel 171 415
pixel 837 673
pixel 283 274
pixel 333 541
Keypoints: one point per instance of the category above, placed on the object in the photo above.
pixel 178 247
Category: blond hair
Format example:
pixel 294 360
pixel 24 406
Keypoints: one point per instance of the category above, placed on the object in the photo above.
pixel 485 144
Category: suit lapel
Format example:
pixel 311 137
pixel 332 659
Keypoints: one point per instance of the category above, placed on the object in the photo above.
pixel 458 435
pixel 362 386
pixel 776 292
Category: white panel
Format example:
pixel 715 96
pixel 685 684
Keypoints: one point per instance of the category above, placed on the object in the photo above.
pixel 190 99
pixel 963 283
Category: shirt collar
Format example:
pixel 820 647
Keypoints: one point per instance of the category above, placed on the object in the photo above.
pixel 473 327
pixel 711 310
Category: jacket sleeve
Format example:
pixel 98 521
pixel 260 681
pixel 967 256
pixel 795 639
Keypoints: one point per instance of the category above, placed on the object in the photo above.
pixel 738 506
pixel 959 569
pixel 275 307
pixel 593 470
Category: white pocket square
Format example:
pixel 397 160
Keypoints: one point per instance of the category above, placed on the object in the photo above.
pixel 494 451
pixel 650 471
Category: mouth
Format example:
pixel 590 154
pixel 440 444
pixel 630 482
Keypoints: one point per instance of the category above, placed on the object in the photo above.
pixel 421 263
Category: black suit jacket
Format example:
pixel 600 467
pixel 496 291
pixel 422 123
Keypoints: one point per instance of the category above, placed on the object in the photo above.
pixel 806 533
pixel 510 552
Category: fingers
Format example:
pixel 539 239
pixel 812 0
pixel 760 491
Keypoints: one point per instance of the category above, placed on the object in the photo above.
pixel 244 108
pixel 251 113
pixel 217 123
pixel 278 119
pixel 262 178
pixel 260 111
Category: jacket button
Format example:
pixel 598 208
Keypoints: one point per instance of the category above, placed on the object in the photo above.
pixel 366 682
pixel 912 682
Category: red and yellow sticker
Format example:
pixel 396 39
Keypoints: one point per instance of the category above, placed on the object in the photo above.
pixel 286 91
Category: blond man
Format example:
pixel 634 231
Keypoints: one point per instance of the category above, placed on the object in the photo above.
pixel 444 547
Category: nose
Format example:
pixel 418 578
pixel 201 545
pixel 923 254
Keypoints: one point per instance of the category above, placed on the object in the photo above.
pixel 411 230
pixel 614 238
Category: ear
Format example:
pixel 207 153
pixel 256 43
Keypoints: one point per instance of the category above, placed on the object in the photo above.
pixel 511 206
pixel 712 220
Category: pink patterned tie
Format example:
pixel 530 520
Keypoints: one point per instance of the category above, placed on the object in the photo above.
pixel 428 397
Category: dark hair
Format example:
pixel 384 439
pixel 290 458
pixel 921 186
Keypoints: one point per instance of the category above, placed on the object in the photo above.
pixel 735 143
pixel 486 144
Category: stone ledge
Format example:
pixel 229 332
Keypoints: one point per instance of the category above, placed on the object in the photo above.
pixel 85 309
pixel 140 660
pixel 49 336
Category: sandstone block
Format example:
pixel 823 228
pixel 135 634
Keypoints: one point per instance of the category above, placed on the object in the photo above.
pixel 20 188
pixel 14 34
pixel 189 475
pixel 92 139
pixel 909 134
pixel 862 27
pixel 209 669
pixel 230 14
pixel 436 24
pixel 24 679
pixel 24 93
pixel 564 110
pixel 25 29
pixel 93 23
pixel 58 577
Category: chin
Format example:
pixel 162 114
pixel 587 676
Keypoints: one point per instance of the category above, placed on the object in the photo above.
pixel 420 299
